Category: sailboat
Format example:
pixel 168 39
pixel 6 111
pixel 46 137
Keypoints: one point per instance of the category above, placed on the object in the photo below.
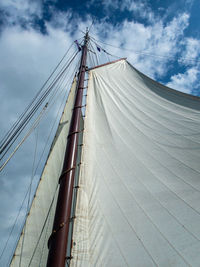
pixel 121 184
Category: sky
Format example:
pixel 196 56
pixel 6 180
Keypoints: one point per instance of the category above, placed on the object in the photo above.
pixel 159 38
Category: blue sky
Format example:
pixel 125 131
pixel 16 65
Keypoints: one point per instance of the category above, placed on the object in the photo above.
pixel 161 38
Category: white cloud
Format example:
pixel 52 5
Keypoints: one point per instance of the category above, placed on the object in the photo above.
pixel 154 39
pixel 136 7
pixel 17 11
pixel 191 51
pixel 141 9
pixel 185 82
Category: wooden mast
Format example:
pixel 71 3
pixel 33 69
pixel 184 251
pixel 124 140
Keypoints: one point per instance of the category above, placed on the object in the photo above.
pixel 59 238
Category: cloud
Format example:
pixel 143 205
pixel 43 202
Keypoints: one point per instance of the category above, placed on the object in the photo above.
pixel 21 11
pixel 134 8
pixel 141 9
pixel 190 52
pixel 187 81
pixel 147 41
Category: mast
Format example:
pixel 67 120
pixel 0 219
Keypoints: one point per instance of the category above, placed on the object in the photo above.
pixel 59 237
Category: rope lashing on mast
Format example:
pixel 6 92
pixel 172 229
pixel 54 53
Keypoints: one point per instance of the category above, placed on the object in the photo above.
pixel 61 225
pixel 33 127
pixel 80 106
pixel 70 169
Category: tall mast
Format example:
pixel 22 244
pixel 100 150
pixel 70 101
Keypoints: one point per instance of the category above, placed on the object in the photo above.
pixel 59 238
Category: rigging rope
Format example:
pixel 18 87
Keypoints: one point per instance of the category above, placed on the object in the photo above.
pixel 6 145
pixel 34 125
pixel 12 229
pixel 93 40
pixel 33 110
pixel 142 52
pixel 44 225
pixel 29 198
pixel 97 61
pixel 26 109
pixel 37 121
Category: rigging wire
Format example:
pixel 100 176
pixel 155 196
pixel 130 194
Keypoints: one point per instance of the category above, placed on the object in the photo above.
pixel 12 229
pixel 96 57
pixel 46 237
pixel 23 124
pixel 34 109
pixel 55 69
pixel 60 107
pixel 34 125
pixel 26 109
pixel 90 58
pixel 46 219
pixel 94 41
pixel 29 197
pixel 49 87
pixel 91 25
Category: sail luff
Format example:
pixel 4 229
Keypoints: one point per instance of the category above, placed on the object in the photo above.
pixel 59 238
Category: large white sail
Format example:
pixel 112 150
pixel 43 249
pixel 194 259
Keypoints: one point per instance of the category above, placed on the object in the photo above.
pixel 139 197
pixel 40 219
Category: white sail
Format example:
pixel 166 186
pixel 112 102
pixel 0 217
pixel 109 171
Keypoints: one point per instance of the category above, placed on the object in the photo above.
pixel 40 219
pixel 139 197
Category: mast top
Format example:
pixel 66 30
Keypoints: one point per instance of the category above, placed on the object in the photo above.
pixel 86 37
